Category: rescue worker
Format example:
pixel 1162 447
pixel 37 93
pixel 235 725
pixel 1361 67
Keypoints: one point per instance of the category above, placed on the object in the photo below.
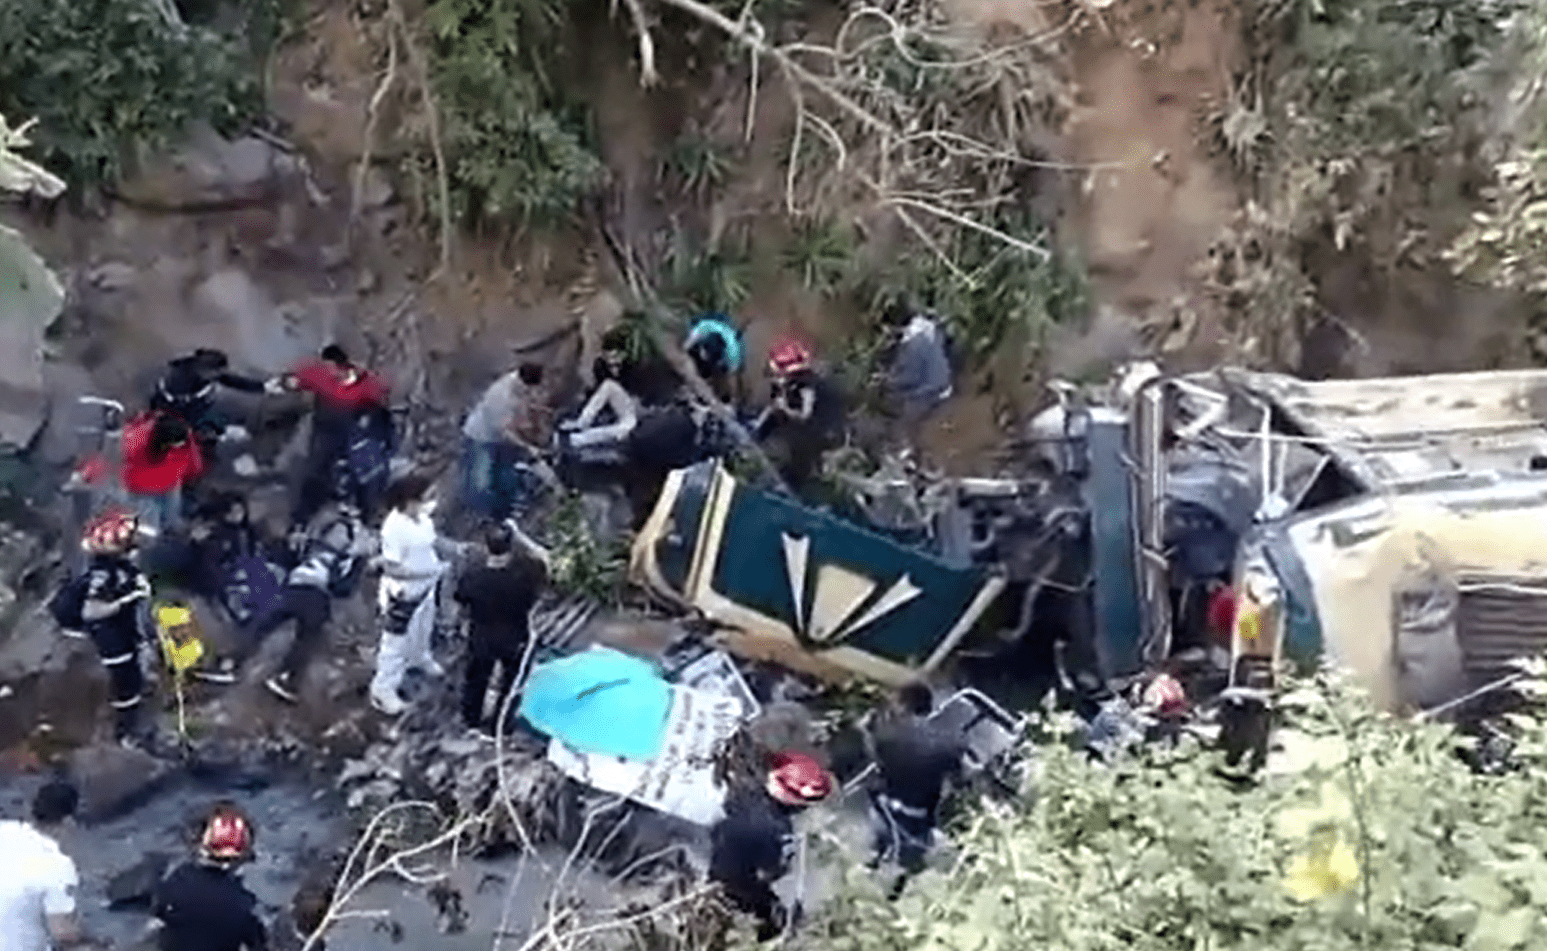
pixel 714 346
pixel 752 846
pixel 803 415
pixel 914 760
pixel 111 611
pixel 498 597
pixel 409 593
pixel 38 880
pixel 160 460
pixel 188 389
pixel 508 426
pixel 202 905
pixel 333 553
pixel 350 411
pixel 919 379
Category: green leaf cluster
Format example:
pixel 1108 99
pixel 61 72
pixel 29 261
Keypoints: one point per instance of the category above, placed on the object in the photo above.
pixel 519 145
pixel 1159 852
pixel 108 78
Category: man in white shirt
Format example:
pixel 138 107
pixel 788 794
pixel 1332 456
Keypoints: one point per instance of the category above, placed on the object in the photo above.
pixel 37 880
pixel 407 598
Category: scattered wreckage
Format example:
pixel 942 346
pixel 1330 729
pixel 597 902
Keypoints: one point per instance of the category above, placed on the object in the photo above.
pixel 1394 526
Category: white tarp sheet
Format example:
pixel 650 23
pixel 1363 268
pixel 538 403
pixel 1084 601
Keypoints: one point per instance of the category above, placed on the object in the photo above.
pixel 680 780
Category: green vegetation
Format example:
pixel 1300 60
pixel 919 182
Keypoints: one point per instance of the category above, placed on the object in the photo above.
pixel 108 79
pixel 1372 833
pixel 518 143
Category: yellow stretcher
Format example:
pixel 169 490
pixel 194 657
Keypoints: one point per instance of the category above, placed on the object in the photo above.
pixel 182 647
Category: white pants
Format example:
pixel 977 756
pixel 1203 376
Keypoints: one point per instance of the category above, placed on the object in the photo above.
pixel 405 641
pixel 610 395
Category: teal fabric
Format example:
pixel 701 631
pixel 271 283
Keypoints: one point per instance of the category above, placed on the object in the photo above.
pixel 719 325
pixel 600 701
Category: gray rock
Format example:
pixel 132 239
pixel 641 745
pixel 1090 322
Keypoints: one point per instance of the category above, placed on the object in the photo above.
pixel 112 276
pixel 378 191
pixel 112 778
pixel 135 884
pixel 211 170
pixel 246 313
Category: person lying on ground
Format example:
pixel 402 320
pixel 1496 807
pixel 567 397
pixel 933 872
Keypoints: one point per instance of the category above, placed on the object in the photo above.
pixel 409 594
pixel 334 551
pixel 498 597
pixel 919 379
pixel 506 428
pixel 106 601
pixel 350 409
pixel 714 346
pixel 38 882
pixel 161 459
pixel 189 387
pixel 202 905
pixel 914 761
pixel 804 413
pixel 753 844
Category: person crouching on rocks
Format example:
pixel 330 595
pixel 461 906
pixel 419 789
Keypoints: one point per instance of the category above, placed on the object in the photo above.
pixel 113 591
pixel 202 905
pixel 409 592
pixel 752 846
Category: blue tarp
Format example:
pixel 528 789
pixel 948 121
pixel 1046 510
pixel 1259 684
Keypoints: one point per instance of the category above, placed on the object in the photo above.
pixel 600 701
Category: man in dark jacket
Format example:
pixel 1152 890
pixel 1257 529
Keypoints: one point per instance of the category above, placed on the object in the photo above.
pixel 202 905
pixel 188 389
pixel 915 759
pixel 498 597
pixel 752 845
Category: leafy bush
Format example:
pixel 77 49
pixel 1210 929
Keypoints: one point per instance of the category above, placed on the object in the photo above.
pixel 519 149
pixel 106 77
pixel 1370 833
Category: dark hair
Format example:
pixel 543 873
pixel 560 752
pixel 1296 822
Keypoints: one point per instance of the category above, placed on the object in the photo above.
pixel 407 490
pixel 498 539
pixel 55 802
pixel 898 312
pixel 335 354
pixel 709 349
pixel 530 373
pixel 616 339
pixel 916 698
pixel 210 360
pixel 166 432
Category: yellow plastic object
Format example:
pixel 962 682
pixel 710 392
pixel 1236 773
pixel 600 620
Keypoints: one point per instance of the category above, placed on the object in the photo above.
pixel 179 635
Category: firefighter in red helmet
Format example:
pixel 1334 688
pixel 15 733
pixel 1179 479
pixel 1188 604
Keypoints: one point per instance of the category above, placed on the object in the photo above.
pixel 751 846
pixel 804 413
pixel 202 905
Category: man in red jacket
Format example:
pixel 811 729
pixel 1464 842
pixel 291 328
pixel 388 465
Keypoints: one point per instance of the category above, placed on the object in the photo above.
pixel 352 435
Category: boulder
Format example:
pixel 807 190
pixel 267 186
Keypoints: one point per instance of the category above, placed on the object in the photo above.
pixel 247 317
pixel 113 779
pixel 212 172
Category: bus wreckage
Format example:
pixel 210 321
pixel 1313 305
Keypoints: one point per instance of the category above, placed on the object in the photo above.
pixel 1396 526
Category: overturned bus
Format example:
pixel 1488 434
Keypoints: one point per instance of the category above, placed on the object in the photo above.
pixel 1395 526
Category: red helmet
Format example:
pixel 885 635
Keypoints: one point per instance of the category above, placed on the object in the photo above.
pixel 112 531
pixel 798 780
pixel 227 836
pixel 789 355
pixel 1165 697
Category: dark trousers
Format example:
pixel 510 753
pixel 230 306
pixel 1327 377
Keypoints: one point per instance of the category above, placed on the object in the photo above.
pixel 484 652
pixel 118 645
pixel 756 898
pixel 902 834
pixel 310 608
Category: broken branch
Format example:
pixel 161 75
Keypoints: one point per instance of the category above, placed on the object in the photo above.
pixel 647 75
pixel 372 117
pixel 421 70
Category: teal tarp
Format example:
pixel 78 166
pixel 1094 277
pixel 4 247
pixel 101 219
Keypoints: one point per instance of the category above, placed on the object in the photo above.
pixel 600 701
